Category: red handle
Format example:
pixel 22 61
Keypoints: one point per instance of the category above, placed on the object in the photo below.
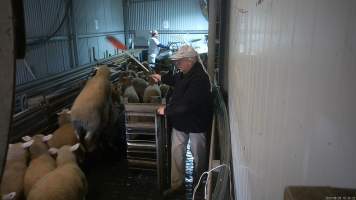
pixel 116 42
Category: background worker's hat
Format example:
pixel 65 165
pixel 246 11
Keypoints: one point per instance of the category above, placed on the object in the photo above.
pixel 184 51
pixel 154 32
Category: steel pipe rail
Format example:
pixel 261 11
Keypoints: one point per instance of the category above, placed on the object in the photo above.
pixel 43 85
pixel 50 96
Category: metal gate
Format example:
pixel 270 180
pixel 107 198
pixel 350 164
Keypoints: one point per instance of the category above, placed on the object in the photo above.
pixel 147 141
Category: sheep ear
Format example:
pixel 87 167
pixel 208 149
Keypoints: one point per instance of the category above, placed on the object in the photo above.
pixel 9 196
pixel 26 138
pixel 75 147
pixel 47 137
pixel 64 111
pixel 27 144
pixel 53 151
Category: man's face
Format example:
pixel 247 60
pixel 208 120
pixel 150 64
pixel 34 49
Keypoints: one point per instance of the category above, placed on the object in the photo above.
pixel 184 64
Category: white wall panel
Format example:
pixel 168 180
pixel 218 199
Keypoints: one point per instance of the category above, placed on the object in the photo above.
pixel 292 90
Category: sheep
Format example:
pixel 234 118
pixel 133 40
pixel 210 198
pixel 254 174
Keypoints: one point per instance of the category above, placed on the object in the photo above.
pixel 151 92
pixel 124 82
pixel 66 182
pixel 9 196
pixel 64 117
pixel 129 91
pixel 116 93
pixel 164 90
pixel 38 146
pixel 142 75
pixel 41 162
pixel 65 134
pixel 14 172
pixel 90 110
pixel 140 85
pixel 131 95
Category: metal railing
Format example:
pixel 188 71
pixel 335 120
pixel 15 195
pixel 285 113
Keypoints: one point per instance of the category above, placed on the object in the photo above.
pixel 42 99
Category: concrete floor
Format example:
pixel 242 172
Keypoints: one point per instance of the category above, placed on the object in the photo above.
pixel 109 178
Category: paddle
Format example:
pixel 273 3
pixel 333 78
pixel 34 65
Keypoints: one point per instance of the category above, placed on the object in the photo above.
pixel 116 43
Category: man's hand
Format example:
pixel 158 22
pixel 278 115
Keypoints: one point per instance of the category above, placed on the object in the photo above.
pixel 161 109
pixel 156 77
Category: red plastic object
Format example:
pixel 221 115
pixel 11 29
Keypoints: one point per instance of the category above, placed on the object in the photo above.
pixel 116 42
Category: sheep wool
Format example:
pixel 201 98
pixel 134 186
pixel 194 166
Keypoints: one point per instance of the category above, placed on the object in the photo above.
pixel 66 182
pixel 90 110
pixel 14 172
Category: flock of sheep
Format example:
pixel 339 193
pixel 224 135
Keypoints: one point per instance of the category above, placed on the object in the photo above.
pixel 44 167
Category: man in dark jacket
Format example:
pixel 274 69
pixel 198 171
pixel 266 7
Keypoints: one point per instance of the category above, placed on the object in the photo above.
pixel 190 112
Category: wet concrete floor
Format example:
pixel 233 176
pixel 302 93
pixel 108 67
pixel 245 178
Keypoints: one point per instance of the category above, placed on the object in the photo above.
pixel 109 178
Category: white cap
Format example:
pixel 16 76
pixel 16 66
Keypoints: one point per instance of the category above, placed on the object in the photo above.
pixel 154 32
pixel 184 51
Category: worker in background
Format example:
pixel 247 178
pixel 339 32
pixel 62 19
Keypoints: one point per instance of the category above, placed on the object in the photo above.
pixel 153 49
pixel 190 112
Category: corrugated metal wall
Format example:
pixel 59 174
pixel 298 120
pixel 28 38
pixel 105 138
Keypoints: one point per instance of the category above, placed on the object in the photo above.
pixel 174 19
pixel 92 20
pixel 292 94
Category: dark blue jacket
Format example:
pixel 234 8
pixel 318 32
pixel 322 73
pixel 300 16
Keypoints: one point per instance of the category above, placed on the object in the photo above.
pixel 190 107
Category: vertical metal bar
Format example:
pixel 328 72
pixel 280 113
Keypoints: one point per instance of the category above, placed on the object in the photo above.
pixel 7 75
pixel 212 36
pixel 73 36
pixel 126 18
pixel 94 57
pixel 162 153
pixel 158 153
pixel 211 156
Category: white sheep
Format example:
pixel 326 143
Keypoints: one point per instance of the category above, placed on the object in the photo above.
pixel 151 93
pixel 41 162
pixel 65 134
pixel 66 182
pixel 64 117
pixel 131 95
pixel 140 85
pixel 90 110
pixel 164 90
pixel 9 196
pixel 12 185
